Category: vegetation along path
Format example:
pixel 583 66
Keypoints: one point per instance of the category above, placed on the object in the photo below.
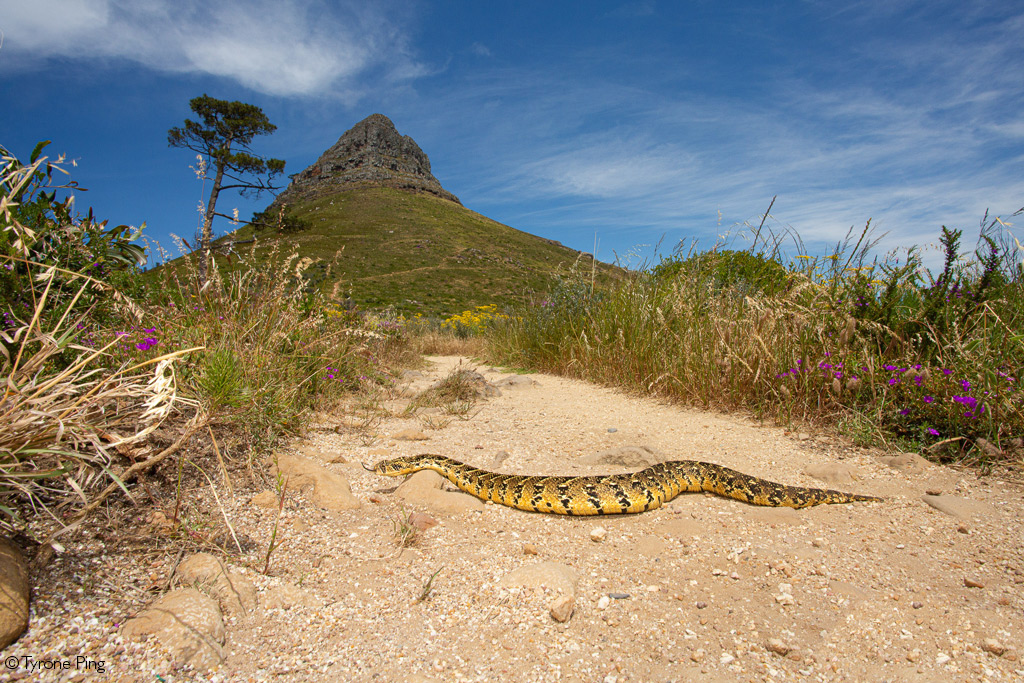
pixel 421 582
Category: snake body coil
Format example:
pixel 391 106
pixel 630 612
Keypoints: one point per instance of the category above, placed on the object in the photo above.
pixel 614 494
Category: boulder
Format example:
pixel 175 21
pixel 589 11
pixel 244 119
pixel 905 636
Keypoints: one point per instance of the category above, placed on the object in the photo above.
pixel 327 489
pixel 960 508
pixel 14 593
pixel 425 488
pixel 234 592
pixel 187 623
pixel 908 463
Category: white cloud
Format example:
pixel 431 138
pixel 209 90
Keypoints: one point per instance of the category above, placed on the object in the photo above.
pixel 279 47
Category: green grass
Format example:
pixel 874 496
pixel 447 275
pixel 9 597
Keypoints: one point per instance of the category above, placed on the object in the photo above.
pixel 877 348
pixel 412 252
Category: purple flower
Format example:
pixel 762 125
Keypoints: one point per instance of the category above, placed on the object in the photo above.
pixel 933 432
pixel 929 399
pixel 905 411
pixel 894 381
pixel 946 372
pixel 918 380
pixel 889 367
pixel 965 384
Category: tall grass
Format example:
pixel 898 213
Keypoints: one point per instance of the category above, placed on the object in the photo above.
pixel 95 356
pixel 881 348
pixel 275 349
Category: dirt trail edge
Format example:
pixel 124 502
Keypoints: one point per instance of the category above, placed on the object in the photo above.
pixel 925 586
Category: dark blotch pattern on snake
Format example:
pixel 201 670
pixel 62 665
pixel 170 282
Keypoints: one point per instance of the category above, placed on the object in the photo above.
pixel 614 494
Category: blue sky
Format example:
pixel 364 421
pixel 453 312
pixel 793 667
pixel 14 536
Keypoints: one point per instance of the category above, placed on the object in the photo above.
pixel 630 123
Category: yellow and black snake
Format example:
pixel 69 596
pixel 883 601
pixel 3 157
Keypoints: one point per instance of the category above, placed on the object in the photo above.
pixel 614 494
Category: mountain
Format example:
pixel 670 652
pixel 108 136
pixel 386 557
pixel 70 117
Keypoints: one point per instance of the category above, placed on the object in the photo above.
pixel 371 206
pixel 371 152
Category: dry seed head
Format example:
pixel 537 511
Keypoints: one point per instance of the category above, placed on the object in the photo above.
pixel 853 384
pixel 837 386
pixel 847 334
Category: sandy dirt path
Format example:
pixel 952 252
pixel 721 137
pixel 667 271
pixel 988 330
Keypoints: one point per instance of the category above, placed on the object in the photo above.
pixel 703 589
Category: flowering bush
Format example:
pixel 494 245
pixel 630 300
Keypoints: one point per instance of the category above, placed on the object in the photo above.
pixel 475 322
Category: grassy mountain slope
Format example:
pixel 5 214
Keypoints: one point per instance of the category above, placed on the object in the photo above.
pixel 418 252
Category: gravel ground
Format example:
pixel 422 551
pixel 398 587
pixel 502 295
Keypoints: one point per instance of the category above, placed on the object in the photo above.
pixel 702 589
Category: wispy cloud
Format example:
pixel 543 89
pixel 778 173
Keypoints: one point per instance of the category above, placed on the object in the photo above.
pixel 278 47
pixel 928 134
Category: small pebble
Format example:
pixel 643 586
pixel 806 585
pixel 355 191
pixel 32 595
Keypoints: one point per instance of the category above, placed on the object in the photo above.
pixel 561 609
pixel 963 528
pixel 778 647
pixel 993 646
pixel 697 655
pixel 422 520
pixel 619 596
pixel 598 534
pixel 917 605
pixel 726 659
pixel 973 583
pixel 604 602
pixel 934 492
pixel 529 549
pixel 701 604
pixel 612 430
pixel 941 659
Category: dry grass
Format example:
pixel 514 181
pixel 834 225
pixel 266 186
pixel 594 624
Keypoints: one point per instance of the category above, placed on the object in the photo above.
pixel 64 426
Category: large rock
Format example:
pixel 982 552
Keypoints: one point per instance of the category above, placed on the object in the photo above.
pixel 235 593
pixel 372 152
pixel 187 623
pixel 327 489
pixel 14 593
pixel 908 463
pixel 425 488
pixel 517 382
pixel 960 508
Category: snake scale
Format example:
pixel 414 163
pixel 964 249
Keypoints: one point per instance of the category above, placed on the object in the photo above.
pixel 613 494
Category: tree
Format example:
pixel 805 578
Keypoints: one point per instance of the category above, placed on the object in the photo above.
pixel 223 137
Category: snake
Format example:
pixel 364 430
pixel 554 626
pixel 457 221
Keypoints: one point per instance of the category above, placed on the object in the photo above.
pixel 613 494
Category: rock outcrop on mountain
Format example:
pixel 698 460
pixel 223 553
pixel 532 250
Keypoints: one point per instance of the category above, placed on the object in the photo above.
pixel 371 152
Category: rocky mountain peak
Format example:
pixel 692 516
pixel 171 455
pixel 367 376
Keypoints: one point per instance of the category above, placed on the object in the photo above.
pixel 372 152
